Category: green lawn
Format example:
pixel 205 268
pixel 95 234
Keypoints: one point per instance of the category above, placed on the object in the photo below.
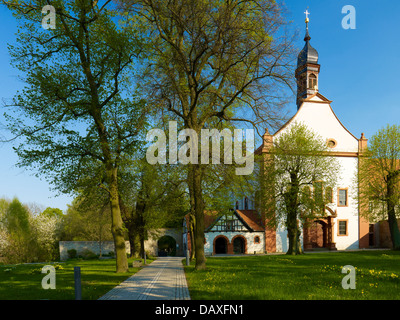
pixel 24 281
pixel 309 276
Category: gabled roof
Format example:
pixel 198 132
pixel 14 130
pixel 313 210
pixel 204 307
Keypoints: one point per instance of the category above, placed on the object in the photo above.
pixel 249 218
pixel 310 99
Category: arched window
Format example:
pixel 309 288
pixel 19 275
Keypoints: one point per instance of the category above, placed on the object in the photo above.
pixel 312 81
pixel 237 205
pixel 246 203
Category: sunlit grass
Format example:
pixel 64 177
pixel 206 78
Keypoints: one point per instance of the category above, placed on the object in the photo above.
pixel 309 276
pixel 24 281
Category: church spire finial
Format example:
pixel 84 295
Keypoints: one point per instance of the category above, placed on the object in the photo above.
pixel 307 13
pixel 307 68
pixel 307 37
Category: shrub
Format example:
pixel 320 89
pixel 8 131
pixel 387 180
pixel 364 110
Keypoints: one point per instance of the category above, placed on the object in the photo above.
pixel 88 254
pixel 72 253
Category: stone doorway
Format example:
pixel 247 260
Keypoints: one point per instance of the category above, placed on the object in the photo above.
pixel 221 245
pixel 239 245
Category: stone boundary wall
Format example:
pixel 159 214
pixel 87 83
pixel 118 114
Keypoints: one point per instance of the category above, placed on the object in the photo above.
pixel 94 246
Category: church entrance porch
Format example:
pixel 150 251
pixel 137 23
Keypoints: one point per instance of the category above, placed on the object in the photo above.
pixel 318 235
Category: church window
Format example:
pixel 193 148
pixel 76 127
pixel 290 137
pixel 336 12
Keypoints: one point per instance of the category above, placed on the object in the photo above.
pixel 342 228
pixel 342 198
pixel 237 205
pixel 312 81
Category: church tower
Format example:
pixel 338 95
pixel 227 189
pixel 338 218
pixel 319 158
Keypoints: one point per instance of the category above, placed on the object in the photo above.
pixel 307 69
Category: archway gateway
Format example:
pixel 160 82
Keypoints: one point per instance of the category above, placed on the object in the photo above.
pixel 239 245
pixel 166 246
pixel 220 245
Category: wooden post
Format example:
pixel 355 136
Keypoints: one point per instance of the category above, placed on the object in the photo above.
pixel 78 287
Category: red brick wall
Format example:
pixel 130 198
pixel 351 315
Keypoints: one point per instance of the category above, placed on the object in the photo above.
pixel 384 234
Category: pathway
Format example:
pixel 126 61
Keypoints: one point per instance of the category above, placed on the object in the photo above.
pixel 163 279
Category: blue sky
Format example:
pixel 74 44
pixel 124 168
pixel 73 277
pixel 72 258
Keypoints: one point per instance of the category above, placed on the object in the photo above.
pixel 360 72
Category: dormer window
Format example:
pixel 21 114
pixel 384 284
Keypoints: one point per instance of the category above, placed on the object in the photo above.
pixel 312 81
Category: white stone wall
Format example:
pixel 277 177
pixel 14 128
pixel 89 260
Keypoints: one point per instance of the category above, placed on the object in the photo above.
pixel 350 213
pixel 94 246
pixel 249 236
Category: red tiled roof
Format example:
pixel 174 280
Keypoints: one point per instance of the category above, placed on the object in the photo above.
pixel 251 218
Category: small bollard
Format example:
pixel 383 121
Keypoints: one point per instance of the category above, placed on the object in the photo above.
pixel 78 287
pixel 187 258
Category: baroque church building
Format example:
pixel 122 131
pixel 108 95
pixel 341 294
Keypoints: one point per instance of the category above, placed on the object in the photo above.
pixel 341 227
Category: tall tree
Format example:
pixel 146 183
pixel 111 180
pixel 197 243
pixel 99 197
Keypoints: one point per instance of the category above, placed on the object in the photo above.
pixel 76 117
pixel 379 179
pixel 296 172
pixel 212 60
pixel 18 227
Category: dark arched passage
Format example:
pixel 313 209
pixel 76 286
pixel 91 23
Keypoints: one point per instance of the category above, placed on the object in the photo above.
pixel 166 246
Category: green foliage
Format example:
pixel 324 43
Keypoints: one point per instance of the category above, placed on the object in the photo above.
pixel 25 237
pixel 379 180
pixel 72 253
pixel 87 254
pixel 17 218
pixel 87 220
pixel 379 167
pixel 53 213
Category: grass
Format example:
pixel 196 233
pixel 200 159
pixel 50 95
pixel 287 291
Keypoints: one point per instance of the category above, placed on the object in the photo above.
pixel 24 281
pixel 309 276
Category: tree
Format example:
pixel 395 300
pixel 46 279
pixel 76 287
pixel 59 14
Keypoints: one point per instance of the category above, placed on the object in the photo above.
pixel 87 219
pixel 297 163
pixel 212 60
pixel 151 197
pixel 46 229
pixel 18 230
pixel 52 212
pixel 379 179
pixel 76 116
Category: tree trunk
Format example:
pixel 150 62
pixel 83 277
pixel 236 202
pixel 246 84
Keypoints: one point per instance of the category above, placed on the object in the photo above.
pixel 196 173
pixel 117 223
pixel 393 226
pixel 291 202
pixel 191 233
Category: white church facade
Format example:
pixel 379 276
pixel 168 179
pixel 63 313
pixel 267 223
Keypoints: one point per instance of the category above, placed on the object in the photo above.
pixel 342 227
